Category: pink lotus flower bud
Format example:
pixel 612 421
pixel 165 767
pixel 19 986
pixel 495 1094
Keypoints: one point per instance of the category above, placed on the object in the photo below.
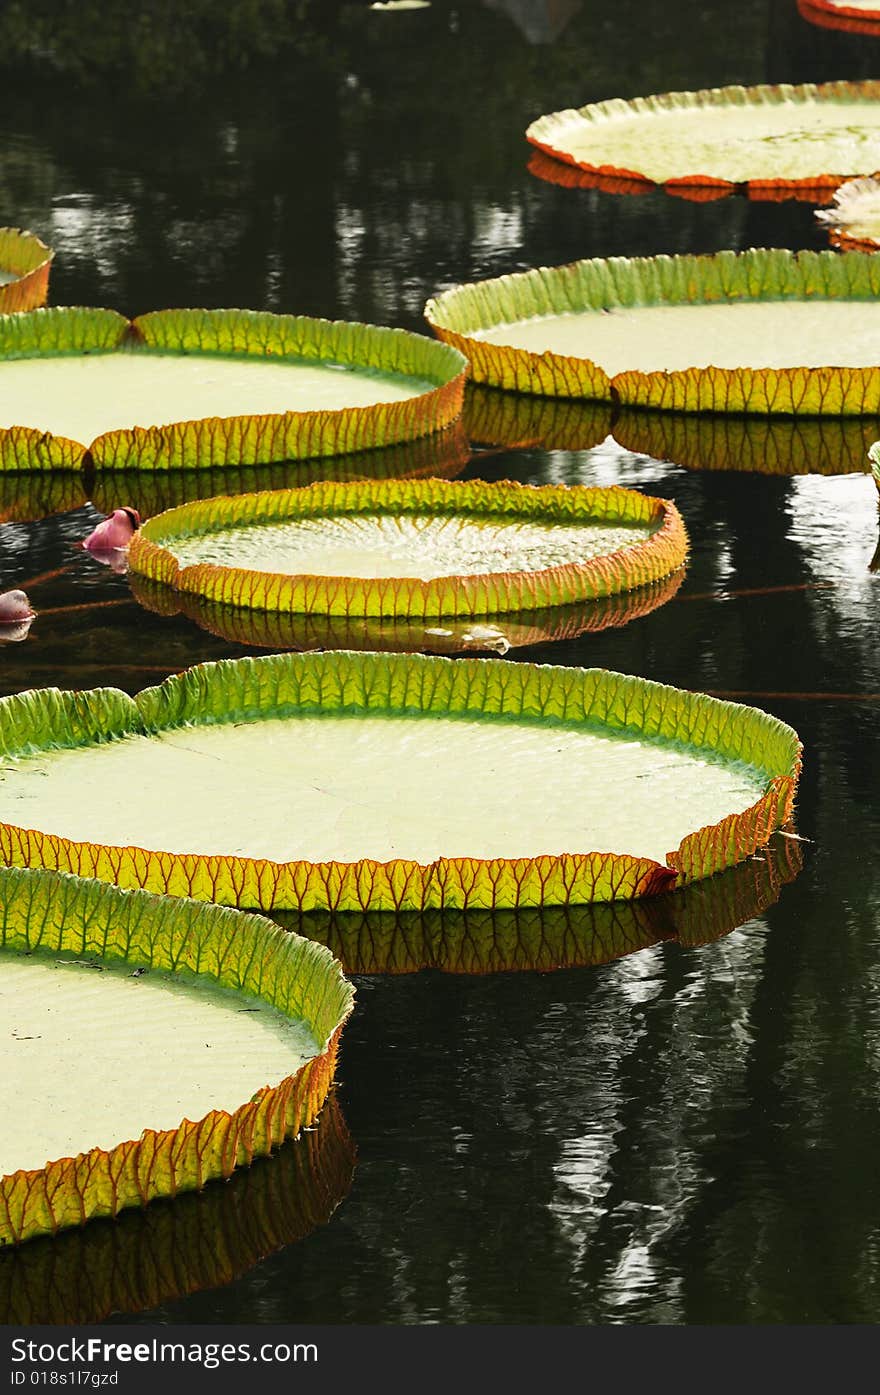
pixel 14 608
pixel 115 532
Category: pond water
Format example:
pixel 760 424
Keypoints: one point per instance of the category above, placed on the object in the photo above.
pixel 688 1134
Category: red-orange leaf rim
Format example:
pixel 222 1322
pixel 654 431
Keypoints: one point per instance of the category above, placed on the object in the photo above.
pixel 844 17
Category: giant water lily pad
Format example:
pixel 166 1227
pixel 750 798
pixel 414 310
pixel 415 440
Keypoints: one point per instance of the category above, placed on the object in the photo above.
pixel 376 782
pixel 762 331
pixel 412 549
pixel 187 388
pixel 272 629
pixel 130 1013
pixel 545 938
pixel 852 16
pixel 784 138
pixel 24 271
pixel 173 1248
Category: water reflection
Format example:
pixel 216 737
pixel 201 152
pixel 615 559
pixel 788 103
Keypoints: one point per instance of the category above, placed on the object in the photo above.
pixel 173 1248
pixel 558 937
pixel 497 633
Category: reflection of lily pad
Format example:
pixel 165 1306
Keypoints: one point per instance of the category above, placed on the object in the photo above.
pixel 761 445
pixel 173 1248
pixel 568 176
pixel 25 497
pixel 854 215
pixel 783 138
pixel 215 387
pixel 514 419
pixel 849 15
pixel 442 456
pixel 554 937
pixel 412 548
pixel 734 332
pixel 129 1011
pixel 498 633
pixel 416 781
pixel 24 271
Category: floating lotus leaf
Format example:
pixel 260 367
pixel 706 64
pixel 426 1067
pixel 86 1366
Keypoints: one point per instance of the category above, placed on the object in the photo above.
pixel 852 16
pixel 24 271
pixel 854 216
pixel 764 331
pixel 517 419
pixel 425 548
pixel 552 937
pixel 373 782
pixel 782 138
pixel 74 956
pixel 170 1249
pixel 760 445
pixel 220 387
pixel 442 456
pixel 269 629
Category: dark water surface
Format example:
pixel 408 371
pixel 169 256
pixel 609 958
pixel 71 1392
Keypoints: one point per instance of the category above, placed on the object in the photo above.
pixel 691 1133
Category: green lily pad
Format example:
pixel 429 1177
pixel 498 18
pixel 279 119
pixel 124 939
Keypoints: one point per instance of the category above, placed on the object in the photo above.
pixel 130 1012
pixel 200 1240
pixel 271 629
pixel 412 548
pixel 784 138
pixel 202 388
pixel 765 331
pixel 24 271
pixel 542 939
pixel 415 782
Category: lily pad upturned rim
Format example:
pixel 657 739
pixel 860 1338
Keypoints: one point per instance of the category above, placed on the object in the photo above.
pixel 28 257
pixel 55 912
pixel 474 594
pixel 238 690
pixel 543 132
pixel 759 274
pixel 552 170
pixel 249 439
pixel 842 17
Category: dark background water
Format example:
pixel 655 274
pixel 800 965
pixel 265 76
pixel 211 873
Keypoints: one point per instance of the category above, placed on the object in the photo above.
pixel 684 1135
